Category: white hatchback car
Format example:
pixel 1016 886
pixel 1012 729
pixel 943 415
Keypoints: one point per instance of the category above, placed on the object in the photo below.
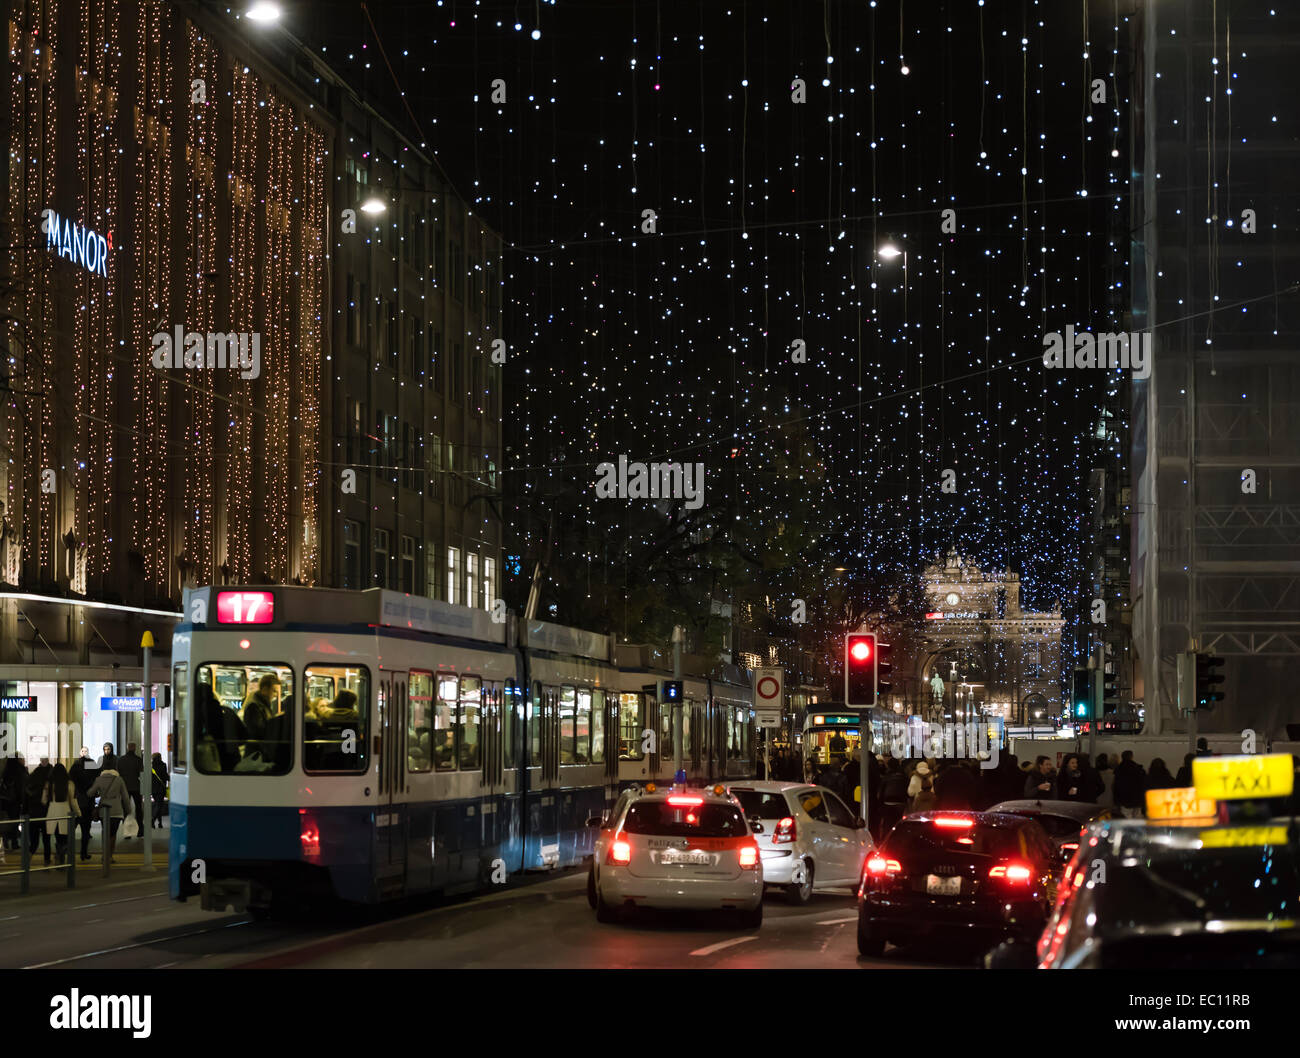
pixel 676 848
pixel 809 838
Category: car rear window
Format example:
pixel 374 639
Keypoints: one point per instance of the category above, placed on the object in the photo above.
pixel 702 821
pixel 912 836
pixel 1057 826
pixel 762 804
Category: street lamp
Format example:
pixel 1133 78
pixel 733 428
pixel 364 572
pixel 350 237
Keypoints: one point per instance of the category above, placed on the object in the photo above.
pixel 263 11
pixel 374 204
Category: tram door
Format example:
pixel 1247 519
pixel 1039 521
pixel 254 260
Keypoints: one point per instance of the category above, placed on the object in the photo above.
pixel 653 724
pixel 543 810
pixel 390 816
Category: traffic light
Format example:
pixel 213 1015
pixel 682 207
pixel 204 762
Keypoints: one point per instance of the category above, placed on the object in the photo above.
pixel 1109 692
pixel 883 669
pixel 1081 707
pixel 1207 679
pixel 670 690
pixel 860 670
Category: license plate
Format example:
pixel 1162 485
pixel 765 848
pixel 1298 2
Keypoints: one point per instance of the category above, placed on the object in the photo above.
pixel 673 856
pixel 937 886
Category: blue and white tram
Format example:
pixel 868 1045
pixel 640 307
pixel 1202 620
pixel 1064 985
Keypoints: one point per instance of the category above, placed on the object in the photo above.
pixel 372 745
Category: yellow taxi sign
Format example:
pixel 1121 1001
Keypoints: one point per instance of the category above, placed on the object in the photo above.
pixel 1242 778
pixel 1233 837
pixel 1180 803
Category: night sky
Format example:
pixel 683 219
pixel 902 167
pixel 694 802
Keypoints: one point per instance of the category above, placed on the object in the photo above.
pixel 678 344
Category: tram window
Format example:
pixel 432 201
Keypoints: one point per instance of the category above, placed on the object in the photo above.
pixel 419 726
pixel 535 727
pixel 471 695
pixel 243 718
pixel 336 730
pixel 666 730
pixel 510 722
pixel 444 724
pixel 180 715
pixel 688 743
pixel 631 723
pixel 568 704
pixel 597 727
pixel 582 751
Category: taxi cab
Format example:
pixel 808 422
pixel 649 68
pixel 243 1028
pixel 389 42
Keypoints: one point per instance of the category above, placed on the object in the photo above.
pixel 1210 879
pixel 678 848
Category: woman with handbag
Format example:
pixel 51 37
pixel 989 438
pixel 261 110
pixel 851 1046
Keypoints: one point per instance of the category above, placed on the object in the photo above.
pixel 60 800
pixel 114 801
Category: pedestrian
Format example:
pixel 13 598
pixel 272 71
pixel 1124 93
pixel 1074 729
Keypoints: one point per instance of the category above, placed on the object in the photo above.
pixel 893 795
pixel 60 799
pixel 114 801
pixel 1105 795
pixel 130 766
pixel 83 778
pixel 920 791
pixel 161 777
pixel 1184 777
pixel 1070 784
pixel 1203 748
pixel 955 787
pixel 851 776
pixel 1041 783
pixel 1130 786
pixel 13 780
pixel 1158 777
pixel 1092 781
pixel 34 806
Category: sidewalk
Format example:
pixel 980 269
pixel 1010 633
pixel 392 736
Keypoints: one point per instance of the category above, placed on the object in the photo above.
pixel 127 865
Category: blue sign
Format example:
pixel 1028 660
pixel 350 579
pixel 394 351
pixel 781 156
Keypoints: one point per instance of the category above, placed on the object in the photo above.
pixel 125 705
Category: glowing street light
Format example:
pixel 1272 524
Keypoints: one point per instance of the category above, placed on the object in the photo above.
pixel 263 11
pixel 889 251
pixel 374 205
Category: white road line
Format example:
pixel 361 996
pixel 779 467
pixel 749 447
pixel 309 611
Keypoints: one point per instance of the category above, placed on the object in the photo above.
pixel 128 947
pixel 722 944
pixel 825 922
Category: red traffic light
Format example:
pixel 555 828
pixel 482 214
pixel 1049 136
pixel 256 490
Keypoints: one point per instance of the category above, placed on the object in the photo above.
pixel 861 650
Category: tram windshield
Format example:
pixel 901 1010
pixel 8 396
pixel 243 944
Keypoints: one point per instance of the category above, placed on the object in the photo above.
pixel 833 745
pixel 243 718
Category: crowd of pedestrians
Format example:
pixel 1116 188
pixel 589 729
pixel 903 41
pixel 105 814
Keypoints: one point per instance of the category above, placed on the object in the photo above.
pixel 899 787
pixel 60 801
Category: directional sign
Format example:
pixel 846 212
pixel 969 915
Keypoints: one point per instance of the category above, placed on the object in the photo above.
pixel 1180 804
pixel 769 694
pixel 126 704
pixel 1243 778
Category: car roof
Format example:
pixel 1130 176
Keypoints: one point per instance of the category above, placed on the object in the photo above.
pixel 662 793
pixel 1073 809
pixel 770 786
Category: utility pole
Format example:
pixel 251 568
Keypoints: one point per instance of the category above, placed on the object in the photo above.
pixel 679 635
pixel 146 741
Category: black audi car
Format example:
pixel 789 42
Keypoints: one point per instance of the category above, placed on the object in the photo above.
pixel 959 877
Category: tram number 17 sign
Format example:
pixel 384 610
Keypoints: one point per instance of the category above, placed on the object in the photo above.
pixel 245 608
pixel 769 694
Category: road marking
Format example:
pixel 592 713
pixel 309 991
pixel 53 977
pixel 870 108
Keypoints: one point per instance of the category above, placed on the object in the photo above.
pixel 140 944
pixel 722 944
pixel 164 965
pixel 837 921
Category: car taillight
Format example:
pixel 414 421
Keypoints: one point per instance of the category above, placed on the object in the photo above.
pixel 786 831
pixel 686 801
pixel 878 865
pixel 1011 872
pixel 310 836
pixel 1072 846
pixel 953 821
pixel 620 852
pixel 748 857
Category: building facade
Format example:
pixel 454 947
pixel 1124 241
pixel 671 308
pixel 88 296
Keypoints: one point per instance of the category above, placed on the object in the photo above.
pixel 1216 447
pixel 219 367
pixel 983 655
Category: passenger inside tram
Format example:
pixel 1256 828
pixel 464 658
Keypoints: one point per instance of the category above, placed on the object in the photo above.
pixel 831 745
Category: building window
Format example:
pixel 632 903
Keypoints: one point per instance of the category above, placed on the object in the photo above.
pixel 363 316
pixel 453 575
pixel 415 353
pixel 381 558
pixel 431 579
pixel 352 555
pixel 404 457
pixel 489 583
pixel 456 387
pixel 408 565
pixel 471 579
pixel 355 447
pixel 393 338
pixel 476 384
pixel 435 360
pixel 1033 661
pixel 435 467
pixel 354 331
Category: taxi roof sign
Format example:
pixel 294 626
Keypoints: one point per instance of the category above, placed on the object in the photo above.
pixel 1237 837
pixel 1243 778
pixel 1181 804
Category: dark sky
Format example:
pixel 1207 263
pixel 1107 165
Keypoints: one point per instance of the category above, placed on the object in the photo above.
pixel 768 215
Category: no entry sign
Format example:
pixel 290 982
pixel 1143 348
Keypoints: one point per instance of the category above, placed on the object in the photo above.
pixel 769 694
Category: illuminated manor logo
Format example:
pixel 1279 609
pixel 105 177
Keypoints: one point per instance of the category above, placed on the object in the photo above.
pixel 77 243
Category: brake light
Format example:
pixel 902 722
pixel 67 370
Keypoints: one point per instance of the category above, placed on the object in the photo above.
pixel 310 837
pixel 880 865
pixel 620 852
pixel 786 831
pixel 686 801
pixel 748 857
pixel 1073 846
pixel 1011 872
pixel 952 821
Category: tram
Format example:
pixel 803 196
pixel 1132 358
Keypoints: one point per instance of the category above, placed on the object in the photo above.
pixel 366 746
pixel 832 732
